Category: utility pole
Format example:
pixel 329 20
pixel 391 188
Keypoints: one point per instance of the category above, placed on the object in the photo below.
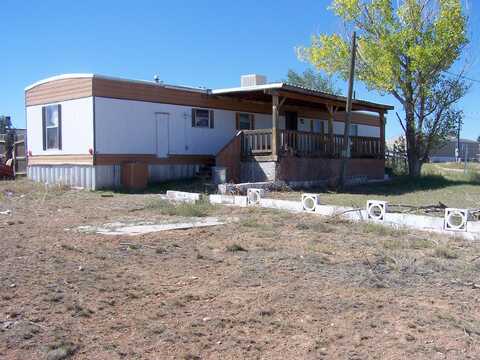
pixel 346 132
pixel 457 150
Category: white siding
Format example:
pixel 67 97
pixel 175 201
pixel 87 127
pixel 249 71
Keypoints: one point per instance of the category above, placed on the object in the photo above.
pixel 133 123
pixel 77 127
pixel 363 130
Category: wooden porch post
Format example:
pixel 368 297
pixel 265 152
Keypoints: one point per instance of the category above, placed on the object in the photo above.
pixel 382 134
pixel 331 112
pixel 275 116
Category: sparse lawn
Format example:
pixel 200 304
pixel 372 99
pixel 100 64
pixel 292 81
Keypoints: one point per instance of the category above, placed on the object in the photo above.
pixel 269 285
pixel 472 166
pixel 454 189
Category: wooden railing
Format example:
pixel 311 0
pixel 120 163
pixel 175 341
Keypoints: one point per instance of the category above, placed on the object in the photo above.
pixel 304 143
pixel 363 146
pixel 259 142
pixel 256 142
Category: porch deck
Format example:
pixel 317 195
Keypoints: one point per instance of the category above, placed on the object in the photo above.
pixel 307 144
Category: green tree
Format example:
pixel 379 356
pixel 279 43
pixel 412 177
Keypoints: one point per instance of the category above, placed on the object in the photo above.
pixel 8 133
pixel 313 80
pixel 5 124
pixel 405 48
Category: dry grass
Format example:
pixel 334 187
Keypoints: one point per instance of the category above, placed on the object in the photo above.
pixel 271 285
pixel 197 209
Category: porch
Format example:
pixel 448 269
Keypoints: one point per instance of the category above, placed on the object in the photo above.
pixel 286 151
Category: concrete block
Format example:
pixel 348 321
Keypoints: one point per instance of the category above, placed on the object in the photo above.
pixel 221 199
pixel 254 196
pixel 242 188
pixel 240 201
pixel 183 196
pixel 295 206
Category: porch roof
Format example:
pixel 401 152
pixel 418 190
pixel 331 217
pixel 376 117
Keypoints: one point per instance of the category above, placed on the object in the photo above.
pixel 298 96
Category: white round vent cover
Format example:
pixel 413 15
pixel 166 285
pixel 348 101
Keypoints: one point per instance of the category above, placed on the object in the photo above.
pixel 310 202
pixel 456 219
pixel 376 210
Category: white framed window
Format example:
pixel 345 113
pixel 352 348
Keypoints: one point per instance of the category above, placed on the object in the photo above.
pixel 52 127
pixel 245 121
pixel 202 118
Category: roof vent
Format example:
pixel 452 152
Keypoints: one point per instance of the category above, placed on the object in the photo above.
pixel 252 80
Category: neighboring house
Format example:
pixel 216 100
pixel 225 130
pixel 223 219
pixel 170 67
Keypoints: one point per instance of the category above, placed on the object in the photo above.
pixel 82 129
pixel 446 153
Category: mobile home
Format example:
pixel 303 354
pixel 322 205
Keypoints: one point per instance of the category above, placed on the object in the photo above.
pixel 83 129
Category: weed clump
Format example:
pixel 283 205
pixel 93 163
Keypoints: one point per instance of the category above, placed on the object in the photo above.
pixel 445 252
pixel 235 248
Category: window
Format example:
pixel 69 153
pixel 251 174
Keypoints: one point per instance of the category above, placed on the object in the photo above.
pixel 353 130
pixel 245 121
pixel 318 126
pixel 52 127
pixel 202 118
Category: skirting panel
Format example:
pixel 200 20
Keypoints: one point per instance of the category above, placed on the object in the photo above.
pixel 70 175
pixel 103 176
pixel 108 177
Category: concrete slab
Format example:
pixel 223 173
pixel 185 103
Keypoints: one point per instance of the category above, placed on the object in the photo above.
pixel 139 228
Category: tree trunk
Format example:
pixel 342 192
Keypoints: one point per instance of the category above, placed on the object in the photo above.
pixel 414 166
pixel 415 161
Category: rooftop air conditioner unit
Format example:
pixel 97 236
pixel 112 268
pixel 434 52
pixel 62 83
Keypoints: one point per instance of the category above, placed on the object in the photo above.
pixel 252 80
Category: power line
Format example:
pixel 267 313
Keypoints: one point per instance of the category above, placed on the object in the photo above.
pixel 463 77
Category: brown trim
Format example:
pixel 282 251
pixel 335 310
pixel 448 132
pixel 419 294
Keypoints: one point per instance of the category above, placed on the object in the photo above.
pixel 123 90
pixel 75 88
pixel 60 160
pixel 59 90
pixel 115 159
pixel 327 99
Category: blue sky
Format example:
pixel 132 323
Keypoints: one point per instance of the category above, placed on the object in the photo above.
pixel 203 43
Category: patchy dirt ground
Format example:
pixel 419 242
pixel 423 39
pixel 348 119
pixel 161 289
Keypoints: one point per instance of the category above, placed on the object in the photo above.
pixel 270 285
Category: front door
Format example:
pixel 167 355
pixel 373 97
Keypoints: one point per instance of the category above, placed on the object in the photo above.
pixel 291 120
pixel 162 122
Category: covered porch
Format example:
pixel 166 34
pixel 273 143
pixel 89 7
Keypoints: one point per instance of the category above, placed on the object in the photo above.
pixel 257 148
